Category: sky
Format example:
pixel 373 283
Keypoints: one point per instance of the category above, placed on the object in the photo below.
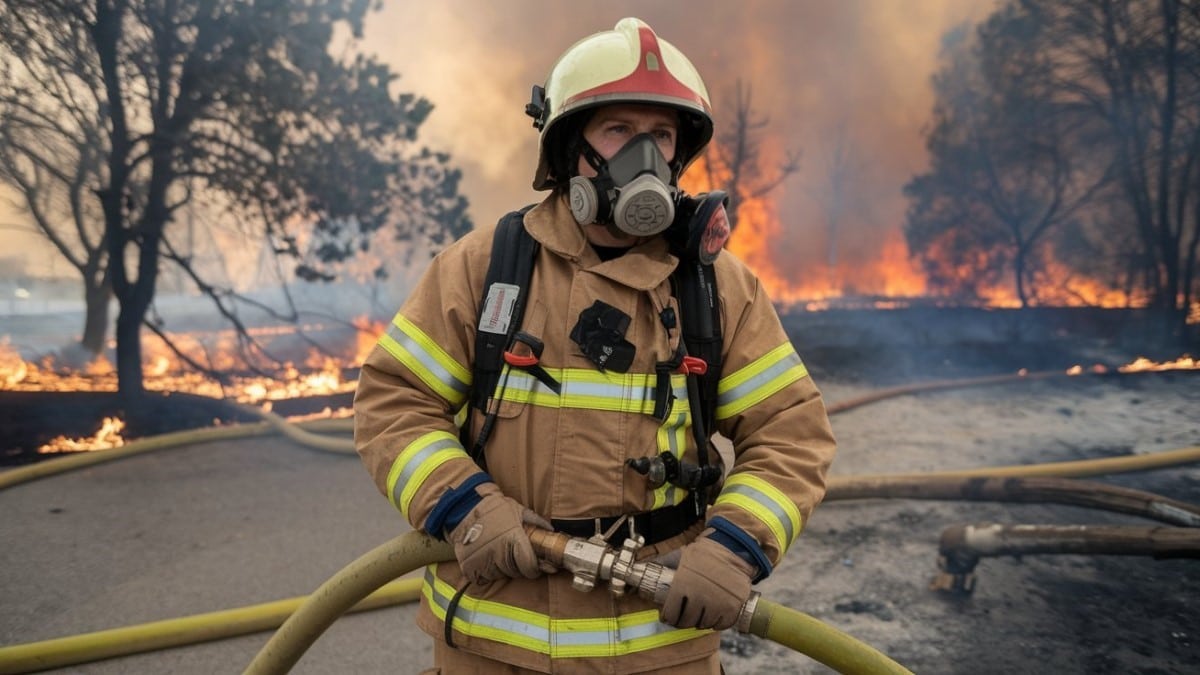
pixel 822 73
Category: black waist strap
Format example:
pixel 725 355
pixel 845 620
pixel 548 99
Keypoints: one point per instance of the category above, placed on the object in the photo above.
pixel 655 526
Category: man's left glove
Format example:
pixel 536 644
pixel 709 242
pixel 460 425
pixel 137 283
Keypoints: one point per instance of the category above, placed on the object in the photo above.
pixel 710 586
pixel 491 543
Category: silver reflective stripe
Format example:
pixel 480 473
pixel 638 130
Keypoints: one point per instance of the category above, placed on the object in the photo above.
pixel 427 360
pixel 522 381
pixel 414 463
pixel 479 618
pixel 673 434
pixel 551 639
pixel 622 634
pixel 769 504
pixel 750 386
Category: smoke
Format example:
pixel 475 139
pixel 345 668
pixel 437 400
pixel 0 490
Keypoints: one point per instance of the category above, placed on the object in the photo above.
pixel 822 73
pixel 853 76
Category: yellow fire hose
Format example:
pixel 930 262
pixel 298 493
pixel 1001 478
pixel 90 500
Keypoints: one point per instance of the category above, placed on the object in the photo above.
pixel 271 423
pixel 407 552
pixel 188 630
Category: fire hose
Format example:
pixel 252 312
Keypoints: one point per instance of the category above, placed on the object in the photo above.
pixel 589 561
pixel 962 546
pixel 374 570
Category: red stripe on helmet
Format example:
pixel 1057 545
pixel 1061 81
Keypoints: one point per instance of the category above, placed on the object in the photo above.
pixel 645 81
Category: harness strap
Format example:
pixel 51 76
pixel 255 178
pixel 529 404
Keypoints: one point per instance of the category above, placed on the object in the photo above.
pixel 510 265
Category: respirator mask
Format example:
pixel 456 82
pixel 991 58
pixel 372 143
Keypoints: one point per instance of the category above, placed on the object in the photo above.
pixel 631 190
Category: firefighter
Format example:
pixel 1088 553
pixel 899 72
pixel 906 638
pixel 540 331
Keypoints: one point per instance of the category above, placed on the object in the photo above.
pixel 622 114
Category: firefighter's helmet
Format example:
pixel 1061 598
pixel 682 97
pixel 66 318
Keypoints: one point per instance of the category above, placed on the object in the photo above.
pixel 629 64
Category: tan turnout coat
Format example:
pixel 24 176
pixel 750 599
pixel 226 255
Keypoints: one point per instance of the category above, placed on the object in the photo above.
pixel 564 455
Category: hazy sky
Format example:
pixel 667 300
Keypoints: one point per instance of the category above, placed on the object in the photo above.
pixel 855 70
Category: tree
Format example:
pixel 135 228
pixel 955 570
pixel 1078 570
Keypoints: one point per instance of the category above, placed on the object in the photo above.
pixel 243 100
pixel 50 153
pixel 1123 78
pixel 1009 165
pixel 734 163
pixel 1135 68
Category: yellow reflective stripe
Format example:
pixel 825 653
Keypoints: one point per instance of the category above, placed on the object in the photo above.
pixel 409 345
pixel 672 438
pixel 763 377
pixel 766 503
pixel 603 637
pixel 592 390
pixel 416 462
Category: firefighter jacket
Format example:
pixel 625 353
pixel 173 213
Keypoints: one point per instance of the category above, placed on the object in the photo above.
pixel 564 455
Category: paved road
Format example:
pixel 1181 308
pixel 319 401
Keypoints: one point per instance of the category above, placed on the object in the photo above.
pixel 198 529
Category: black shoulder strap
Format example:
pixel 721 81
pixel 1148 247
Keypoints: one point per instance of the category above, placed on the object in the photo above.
pixel 696 288
pixel 504 292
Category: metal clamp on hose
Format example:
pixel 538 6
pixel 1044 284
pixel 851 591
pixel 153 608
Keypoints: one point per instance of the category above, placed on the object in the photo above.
pixel 592 560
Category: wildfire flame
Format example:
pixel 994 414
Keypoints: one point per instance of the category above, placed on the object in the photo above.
pixel 318 374
pixel 1142 364
pixel 108 436
pixel 892 278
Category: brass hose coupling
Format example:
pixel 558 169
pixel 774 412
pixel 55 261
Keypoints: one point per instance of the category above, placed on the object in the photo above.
pixel 592 560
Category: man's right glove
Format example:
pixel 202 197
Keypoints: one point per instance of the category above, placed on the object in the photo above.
pixel 490 543
pixel 710 586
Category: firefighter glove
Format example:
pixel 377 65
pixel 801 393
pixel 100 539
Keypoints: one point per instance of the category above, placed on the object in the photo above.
pixel 490 543
pixel 710 586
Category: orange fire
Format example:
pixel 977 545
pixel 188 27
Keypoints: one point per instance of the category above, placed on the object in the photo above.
pixel 1142 364
pixel 891 278
pixel 318 374
pixel 108 436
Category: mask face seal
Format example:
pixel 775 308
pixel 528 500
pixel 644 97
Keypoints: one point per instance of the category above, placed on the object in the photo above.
pixel 632 190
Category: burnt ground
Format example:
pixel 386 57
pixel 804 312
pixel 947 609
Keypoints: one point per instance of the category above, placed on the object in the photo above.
pixel 865 566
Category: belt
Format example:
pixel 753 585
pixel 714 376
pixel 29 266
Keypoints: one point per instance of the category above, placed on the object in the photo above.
pixel 655 526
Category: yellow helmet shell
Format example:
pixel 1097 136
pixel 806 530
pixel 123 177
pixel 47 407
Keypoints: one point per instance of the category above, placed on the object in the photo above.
pixel 629 64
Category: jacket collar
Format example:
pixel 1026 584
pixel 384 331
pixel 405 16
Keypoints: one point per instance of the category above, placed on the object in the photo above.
pixel 644 267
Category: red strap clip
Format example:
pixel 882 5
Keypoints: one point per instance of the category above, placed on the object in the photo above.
pixel 520 361
pixel 693 365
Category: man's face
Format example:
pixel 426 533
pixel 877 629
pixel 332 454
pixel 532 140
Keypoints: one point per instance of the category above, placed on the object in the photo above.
pixel 612 126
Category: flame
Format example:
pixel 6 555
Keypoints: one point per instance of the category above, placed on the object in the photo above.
pixel 368 334
pixel 890 277
pixel 108 436
pixel 318 373
pixel 760 240
pixel 1143 364
pixel 13 368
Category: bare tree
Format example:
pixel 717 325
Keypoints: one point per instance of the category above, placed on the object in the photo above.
pixel 51 154
pixel 240 98
pixel 838 191
pixel 734 163
pixel 1133 67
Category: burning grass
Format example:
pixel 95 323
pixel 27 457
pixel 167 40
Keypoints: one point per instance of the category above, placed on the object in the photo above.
pixel 108 436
